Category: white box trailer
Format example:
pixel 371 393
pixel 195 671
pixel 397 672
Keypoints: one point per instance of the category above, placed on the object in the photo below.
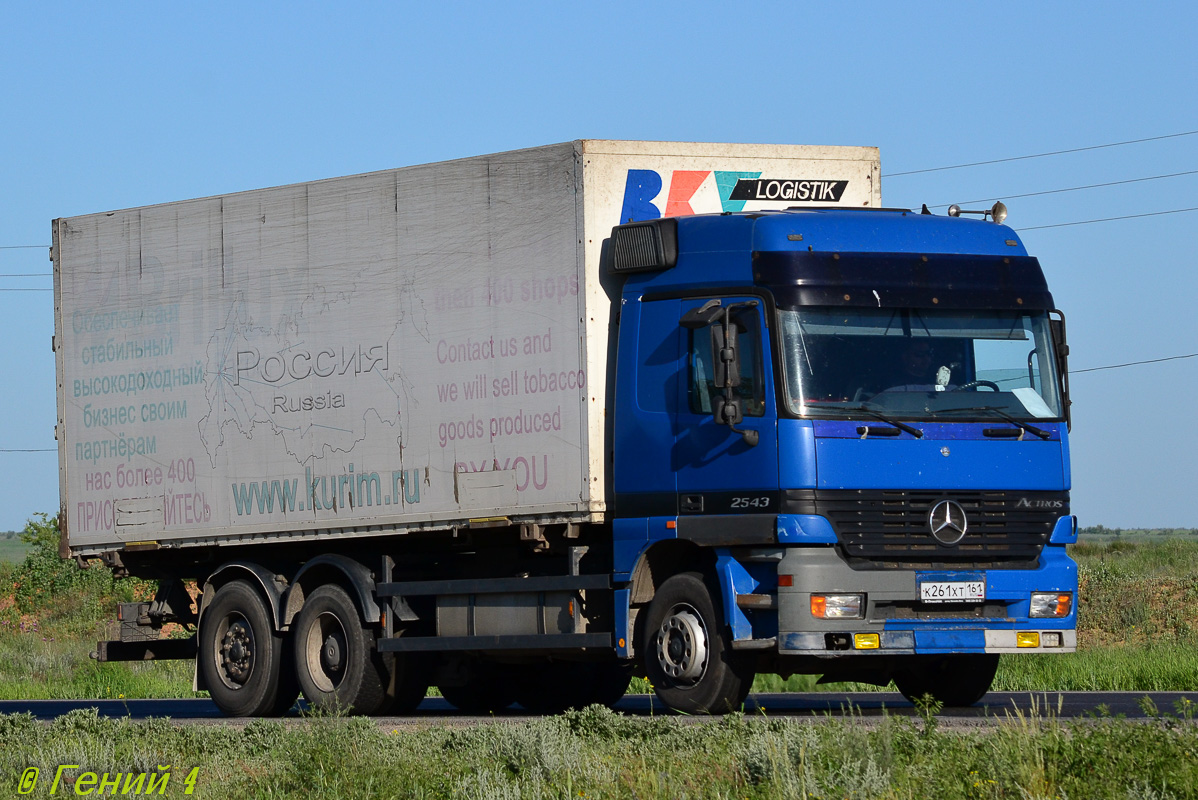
pixel 401 350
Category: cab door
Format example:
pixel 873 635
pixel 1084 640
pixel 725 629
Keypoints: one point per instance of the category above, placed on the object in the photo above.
pixel 728 490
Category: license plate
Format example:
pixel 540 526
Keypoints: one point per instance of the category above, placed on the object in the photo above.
pixel 952 591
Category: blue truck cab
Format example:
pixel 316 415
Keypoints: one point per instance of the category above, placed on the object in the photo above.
pixel 840 447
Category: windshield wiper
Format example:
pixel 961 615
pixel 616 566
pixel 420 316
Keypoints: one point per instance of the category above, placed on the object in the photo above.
pixel 902 426
pixel 1032 429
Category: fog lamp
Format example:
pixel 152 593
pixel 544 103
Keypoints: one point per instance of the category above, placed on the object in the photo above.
pixel 837 606
pixel 866 641
pixel 1027 639
pixel 1051 604
pixel 1050 639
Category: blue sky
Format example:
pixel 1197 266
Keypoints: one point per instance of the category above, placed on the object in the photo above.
pixel 107 106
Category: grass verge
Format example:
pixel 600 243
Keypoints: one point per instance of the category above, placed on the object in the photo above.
pixel 595 753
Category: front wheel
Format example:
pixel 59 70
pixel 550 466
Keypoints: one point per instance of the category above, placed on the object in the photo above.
pixel 954 681
pixel 241 656
pixel 688 658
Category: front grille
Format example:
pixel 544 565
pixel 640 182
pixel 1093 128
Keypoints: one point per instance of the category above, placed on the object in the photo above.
pixel 889 529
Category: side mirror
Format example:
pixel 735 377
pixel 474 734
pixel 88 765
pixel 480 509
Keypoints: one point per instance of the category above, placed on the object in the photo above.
pixel 725 360
pixel 725 355
pixel 727 411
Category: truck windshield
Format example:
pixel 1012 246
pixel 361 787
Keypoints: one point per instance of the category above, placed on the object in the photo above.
pixel 919 363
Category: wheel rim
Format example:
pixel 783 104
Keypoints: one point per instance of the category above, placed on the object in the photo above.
pixel 235 653
pixel 326 651
pixel 682 645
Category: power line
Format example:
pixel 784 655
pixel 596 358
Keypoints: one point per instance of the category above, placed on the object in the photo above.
pixel 47 289
pixel 1071 189
pixel 1041 155
pixel 26 274
pixel 1132 364
pixel 24 246
pixel 1107 219
pixel 41 450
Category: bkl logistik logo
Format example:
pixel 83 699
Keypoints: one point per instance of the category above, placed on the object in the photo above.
pixel 711 191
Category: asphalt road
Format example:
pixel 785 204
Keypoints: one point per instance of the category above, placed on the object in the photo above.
pixel 994 706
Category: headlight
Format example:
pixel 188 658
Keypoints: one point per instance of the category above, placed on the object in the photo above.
pixel 838 606
pixel 1051 604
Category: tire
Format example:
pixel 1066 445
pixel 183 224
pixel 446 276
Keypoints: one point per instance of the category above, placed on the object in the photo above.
pixel 687 654
pixel 289 688
pixel 953 681
pixel 489 688
pixel 406 683
pixel 338 668
pixel 240 654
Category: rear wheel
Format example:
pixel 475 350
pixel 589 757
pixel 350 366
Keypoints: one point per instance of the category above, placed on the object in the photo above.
pixel 336 663
pixel 240 654
pixel 954 681
pixel 406 682
pixel 289 688
pixel 688 657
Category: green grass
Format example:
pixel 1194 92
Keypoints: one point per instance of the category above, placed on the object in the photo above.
pixel 13 550
pixel 1151 668
pixel 1138 594
pixel 594 753
pixel 1145 556
pixel 1100 531
pixel 37 664
pixel 52 614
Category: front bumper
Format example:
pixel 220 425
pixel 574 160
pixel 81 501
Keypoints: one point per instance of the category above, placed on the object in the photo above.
pixel 903 626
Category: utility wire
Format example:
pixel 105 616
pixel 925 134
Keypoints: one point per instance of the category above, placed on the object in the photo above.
pixel 1040 155
pixel 1107 219
pixel 1071 189
pixel 42 450
pixel 24 247
pixel 28 290
pixel 1132 363
pixel 25 274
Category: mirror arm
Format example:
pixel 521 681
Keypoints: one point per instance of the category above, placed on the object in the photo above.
pixel 750 436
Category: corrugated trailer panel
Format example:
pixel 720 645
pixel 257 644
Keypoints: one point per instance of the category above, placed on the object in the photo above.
pixel 386 349
pixel 402 349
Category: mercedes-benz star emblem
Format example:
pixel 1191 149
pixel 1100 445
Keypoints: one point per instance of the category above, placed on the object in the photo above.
pixel 947 522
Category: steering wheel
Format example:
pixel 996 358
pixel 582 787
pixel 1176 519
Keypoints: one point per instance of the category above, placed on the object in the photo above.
pixel 973 384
